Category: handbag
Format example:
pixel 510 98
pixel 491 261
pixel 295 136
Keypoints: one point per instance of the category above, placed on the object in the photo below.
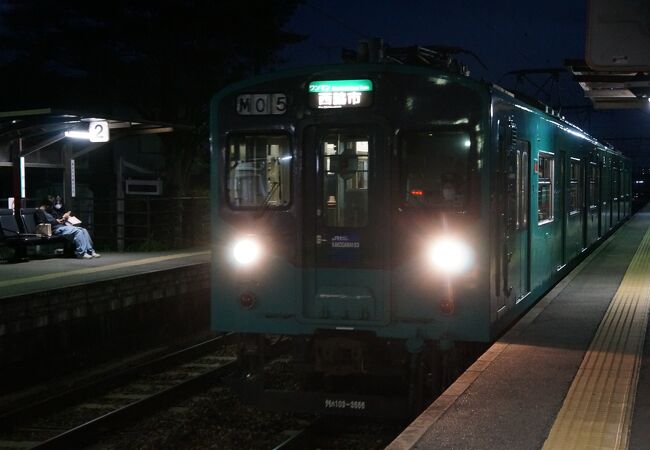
pixel 44 229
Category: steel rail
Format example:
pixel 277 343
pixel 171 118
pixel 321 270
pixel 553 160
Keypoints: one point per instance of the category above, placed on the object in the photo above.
pixel 87 432
pixel 42 407
pixel 304 439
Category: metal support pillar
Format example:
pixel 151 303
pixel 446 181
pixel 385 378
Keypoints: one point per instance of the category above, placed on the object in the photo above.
pixel 68 177
pixel 120 207
pixel 17 180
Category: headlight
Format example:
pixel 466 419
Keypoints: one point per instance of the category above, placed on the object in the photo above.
pixel 246 251
pixel 450 255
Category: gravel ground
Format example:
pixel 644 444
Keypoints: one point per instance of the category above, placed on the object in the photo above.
pixel 218 420
pixel 214 420
pixel 76 377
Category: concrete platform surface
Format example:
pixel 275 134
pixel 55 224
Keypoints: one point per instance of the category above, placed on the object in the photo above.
pixel 55 273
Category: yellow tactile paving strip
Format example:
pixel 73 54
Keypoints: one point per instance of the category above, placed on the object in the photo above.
pixel 89 270
pixel 597 411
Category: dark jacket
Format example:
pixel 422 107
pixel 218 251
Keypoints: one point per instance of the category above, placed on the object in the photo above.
pixel 43 216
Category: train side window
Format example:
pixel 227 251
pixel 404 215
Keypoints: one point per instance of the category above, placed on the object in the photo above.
pixel 594 180
pixel 575 186
pixel 546 181
pixel 258 171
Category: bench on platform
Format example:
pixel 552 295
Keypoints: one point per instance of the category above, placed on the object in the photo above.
pixel 28 223
pixel 19 233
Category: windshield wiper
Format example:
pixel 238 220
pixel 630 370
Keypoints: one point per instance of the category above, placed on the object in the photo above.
pixel 267 200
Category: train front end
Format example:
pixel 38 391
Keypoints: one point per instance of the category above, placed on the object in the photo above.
pixel 349 212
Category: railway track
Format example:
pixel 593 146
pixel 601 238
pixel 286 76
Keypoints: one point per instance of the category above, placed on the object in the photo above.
pixel 337 433
pixel 303 439
pixel 79 415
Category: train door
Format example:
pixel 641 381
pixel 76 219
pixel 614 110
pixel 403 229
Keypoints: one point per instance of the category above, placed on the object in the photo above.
pixel 605 196
pixel 626 189
pixel 345 237
pixel 514 258
pixel 620 194
pixel 562 179
pixel 583 199
pixel 594 198
pixel 522 213
pixel 616 192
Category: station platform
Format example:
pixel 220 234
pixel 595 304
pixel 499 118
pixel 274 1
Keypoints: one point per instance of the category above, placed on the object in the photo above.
pixel 574 373
pixel 61 312
pixel 55 273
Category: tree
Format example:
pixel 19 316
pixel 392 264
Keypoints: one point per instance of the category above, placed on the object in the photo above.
pixel 163 59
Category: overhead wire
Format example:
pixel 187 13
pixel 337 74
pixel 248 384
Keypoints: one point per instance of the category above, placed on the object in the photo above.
pixel 487 24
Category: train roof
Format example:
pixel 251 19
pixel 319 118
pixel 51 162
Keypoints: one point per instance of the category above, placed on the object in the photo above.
pixel 537 107
pixel 534 106
pixel 348 67
pixel 519 99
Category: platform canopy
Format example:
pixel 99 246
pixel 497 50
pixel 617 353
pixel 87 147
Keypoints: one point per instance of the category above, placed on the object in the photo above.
pixel 615 73
pixel 611 89
pixel 33 130
pixel 35 138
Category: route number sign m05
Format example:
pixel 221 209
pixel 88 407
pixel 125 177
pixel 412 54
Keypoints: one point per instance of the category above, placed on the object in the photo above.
pixel 261 104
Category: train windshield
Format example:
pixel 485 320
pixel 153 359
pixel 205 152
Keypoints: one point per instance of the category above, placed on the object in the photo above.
pixel 259 171
pixel 434 168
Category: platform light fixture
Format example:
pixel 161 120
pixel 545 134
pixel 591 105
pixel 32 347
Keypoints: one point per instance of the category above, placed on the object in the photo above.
pixel 78 134
pixel 98 131
pixel 22 177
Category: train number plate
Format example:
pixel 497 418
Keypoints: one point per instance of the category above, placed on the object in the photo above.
pixel 345 404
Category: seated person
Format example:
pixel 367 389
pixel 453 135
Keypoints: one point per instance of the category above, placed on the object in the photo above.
pixel 78 235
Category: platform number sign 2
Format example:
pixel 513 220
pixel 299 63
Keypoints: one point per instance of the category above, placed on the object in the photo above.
pixel 98 131
pixel 261 104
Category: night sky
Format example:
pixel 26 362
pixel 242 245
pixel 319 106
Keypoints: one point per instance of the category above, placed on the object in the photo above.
pixel 506 34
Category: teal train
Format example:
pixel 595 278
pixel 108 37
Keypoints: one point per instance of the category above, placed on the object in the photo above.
pixel 388 220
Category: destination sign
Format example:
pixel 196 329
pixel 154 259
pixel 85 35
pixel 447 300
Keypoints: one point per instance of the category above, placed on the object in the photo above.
pixel 340 93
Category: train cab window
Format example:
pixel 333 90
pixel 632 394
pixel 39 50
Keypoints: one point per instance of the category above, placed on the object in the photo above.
pixel 434 167
pixel 546 182
pixel 345 182
pixel 575 186
pixel 259 171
